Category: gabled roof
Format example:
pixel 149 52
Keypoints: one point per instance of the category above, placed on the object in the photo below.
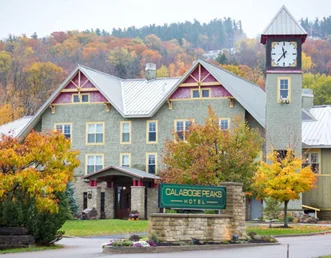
pixel 283 24
pixel 249 95
pixel 317 133
pixel 134 98
pixel 15 127
pixel 121 171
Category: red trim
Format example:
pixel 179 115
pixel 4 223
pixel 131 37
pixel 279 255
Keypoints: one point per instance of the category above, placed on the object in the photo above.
pixel 134 182
pixel 264 38
pixel 109 184
pixel 92 183
pixel 140 182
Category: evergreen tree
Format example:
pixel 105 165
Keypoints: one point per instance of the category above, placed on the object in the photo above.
pixel 70 195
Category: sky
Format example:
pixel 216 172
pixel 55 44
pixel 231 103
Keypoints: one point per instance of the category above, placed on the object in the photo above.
pixel 46 16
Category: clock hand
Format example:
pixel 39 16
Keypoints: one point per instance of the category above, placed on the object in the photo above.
pixel 283 55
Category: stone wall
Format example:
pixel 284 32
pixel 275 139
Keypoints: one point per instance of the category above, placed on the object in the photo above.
pixel 206 227
pixel 14 237
pixel 95 201
pixel 184 227
pixel 152 201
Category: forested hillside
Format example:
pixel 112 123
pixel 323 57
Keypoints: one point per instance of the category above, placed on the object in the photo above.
pixel 32 67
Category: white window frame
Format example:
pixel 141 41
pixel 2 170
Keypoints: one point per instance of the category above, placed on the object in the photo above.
pixel 183 121
pixel 222 119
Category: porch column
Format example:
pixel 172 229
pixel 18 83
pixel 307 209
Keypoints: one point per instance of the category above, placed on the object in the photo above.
pixel 95 200
pixel 109 203
pixel 138 200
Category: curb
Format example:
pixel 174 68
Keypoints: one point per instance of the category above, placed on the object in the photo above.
pixel 308 234
pixel 171 249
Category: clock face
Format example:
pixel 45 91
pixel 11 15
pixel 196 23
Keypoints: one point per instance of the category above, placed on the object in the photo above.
pixel 284 54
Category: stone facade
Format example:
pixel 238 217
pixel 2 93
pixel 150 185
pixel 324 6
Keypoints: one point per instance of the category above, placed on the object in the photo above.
pixel 205 227
pixel 15 237
pixel 95 201
pixel 109 203
pixel 152 201
pixel 138 200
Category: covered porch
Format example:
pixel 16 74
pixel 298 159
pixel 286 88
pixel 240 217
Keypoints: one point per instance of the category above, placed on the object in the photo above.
pixel 124 190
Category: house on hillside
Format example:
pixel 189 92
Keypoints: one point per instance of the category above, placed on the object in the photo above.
pixel 120 125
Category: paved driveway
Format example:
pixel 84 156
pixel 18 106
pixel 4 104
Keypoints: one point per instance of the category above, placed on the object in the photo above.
pixel 300 247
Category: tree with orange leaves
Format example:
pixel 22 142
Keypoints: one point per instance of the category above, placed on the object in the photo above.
pixel 36 168
pixel 210 155
pixel 283 179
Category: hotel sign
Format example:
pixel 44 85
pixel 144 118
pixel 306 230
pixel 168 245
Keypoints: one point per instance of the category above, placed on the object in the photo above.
pixel 192 197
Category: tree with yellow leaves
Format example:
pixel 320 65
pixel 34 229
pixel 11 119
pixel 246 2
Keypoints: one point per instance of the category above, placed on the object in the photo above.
pixel 210 155
pixel 283 179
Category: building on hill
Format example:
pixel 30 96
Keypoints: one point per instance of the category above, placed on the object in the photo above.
pixel 120 125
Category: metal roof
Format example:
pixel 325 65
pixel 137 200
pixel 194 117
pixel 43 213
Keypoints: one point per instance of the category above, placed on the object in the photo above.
pixel 142 96
pixel 131 172
pixel 15 127
pixel 317 134
pixel 284 24
pixel 249 95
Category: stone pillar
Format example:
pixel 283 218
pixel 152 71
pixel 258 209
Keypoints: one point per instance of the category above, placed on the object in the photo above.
pixel 109 203
pixel 235 206
pixel 95 201
pixel 152 201
pixel 138 200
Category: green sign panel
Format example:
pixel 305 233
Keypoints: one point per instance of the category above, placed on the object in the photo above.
pixel 192 197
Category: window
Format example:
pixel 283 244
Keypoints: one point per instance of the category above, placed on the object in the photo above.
pixel 181 127
pixel 151 163
pixel 284 89
pixel 152 131
pixel 205 93
pixel 94 162
pixel 312 160
pixel 224 123
pixel 83 98
pixel 196 93
pixel 126 132
pixel 125 159
pixel 95 132
pixel 65 129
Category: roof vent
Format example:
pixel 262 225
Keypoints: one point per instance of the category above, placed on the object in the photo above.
pixel 150 71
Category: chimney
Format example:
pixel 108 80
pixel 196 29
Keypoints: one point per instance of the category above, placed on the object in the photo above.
pixel 150 71
pixel 307 98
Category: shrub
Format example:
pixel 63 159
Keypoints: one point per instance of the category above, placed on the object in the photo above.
pixel 272 208
pixel 154 237
pixel 134 238
pixel 210 211
pixel 122 243
pixel 170 211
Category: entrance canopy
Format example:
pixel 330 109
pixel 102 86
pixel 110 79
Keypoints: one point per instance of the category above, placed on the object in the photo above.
pixel 114 172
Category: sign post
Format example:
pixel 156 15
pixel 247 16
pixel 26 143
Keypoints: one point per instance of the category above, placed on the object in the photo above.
pixel 192 197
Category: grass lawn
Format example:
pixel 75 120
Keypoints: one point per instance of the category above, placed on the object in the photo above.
pixel 103 227
pixel 29 249
pixel 114 227
pixel 294 229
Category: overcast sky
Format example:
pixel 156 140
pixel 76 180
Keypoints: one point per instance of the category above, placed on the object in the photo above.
pixel 46 16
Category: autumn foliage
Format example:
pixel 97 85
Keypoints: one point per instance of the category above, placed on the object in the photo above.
pixel 283 179
pixel 36 169
pixel 210 155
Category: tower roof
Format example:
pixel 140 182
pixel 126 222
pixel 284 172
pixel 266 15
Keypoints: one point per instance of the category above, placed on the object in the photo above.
pixel 283 24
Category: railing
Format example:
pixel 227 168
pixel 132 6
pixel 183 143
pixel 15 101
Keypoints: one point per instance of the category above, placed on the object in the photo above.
pixel 311 208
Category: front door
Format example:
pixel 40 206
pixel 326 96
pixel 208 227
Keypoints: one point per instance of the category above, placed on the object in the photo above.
pixel 123 202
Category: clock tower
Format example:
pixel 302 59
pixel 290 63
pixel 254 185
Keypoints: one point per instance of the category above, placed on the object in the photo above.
pixel 283 38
